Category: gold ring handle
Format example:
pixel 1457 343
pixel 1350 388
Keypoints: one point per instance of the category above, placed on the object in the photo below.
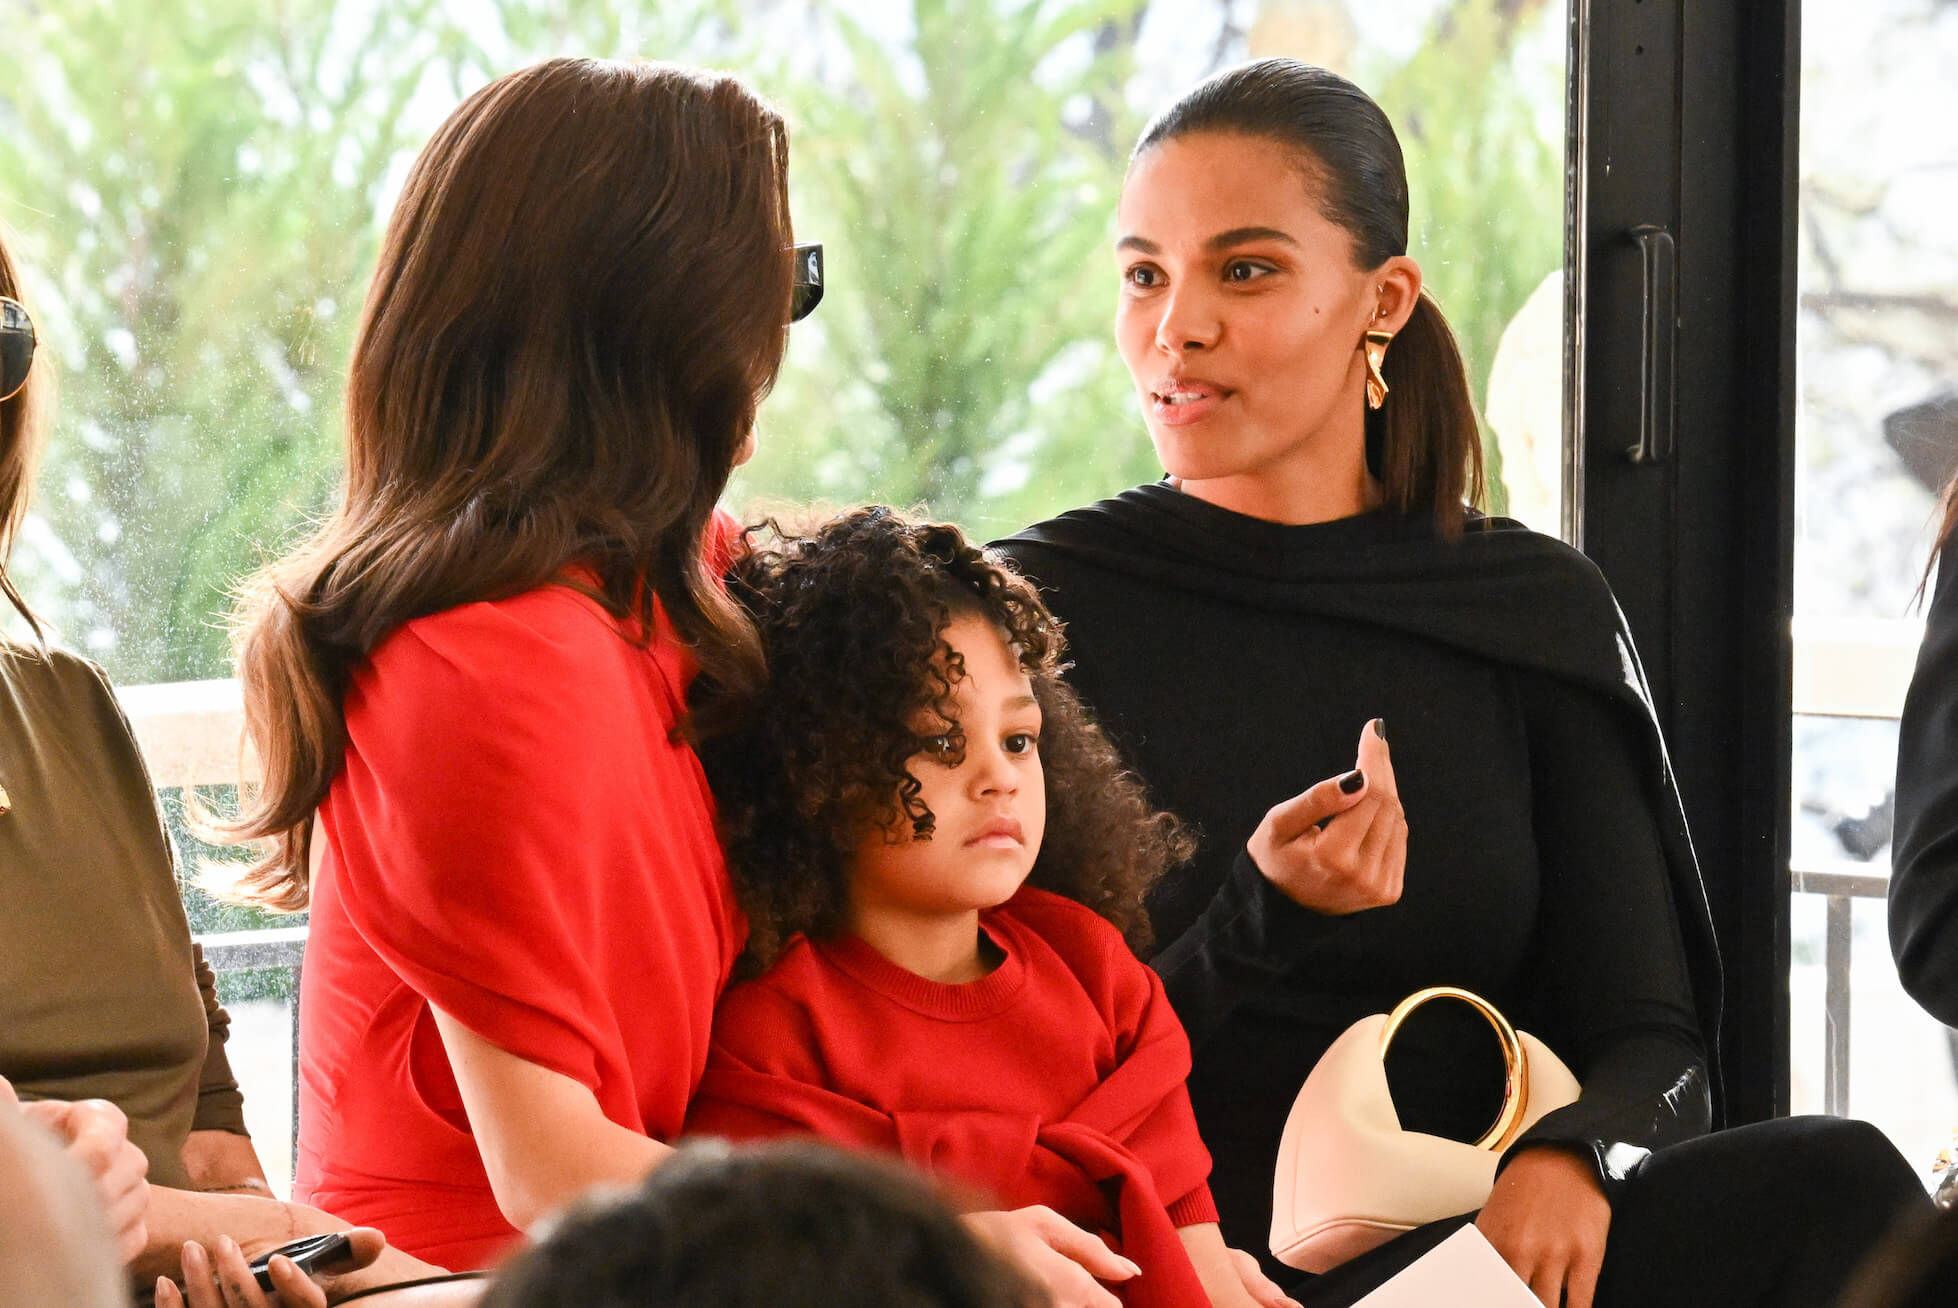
pixel 1516 1072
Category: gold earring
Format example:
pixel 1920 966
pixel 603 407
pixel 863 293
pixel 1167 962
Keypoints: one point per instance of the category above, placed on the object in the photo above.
pixel 1376 352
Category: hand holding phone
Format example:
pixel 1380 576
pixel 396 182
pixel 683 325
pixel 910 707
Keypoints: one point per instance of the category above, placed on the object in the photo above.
pixel 314 1253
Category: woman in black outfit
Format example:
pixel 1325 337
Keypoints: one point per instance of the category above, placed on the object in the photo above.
pixel 1924 856
pixel 1308 569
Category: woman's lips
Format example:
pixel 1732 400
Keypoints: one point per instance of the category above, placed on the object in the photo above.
pixel 1181 402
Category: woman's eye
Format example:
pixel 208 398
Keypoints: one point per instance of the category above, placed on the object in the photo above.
pixel 1142 276
pixel 1244 270
pixel 1021 742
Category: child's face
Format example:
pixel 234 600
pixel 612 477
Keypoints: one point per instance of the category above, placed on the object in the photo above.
pixel 990 807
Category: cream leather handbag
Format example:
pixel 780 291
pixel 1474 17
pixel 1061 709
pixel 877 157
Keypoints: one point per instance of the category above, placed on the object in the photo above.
pixel 1349 1178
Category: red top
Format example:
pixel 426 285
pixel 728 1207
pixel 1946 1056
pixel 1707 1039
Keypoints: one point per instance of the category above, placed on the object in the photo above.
pixel 514 840
pixel 1060 1071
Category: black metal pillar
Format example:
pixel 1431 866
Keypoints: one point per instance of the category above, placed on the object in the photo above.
pixel 1681 252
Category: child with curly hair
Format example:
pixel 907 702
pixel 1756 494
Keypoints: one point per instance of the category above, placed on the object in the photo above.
pixel 943 862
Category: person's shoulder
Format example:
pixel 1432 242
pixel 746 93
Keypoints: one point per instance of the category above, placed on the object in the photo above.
pixel 538 622
pixel 1088 942
pixel 50 663
pixel 1549 561
pixel 52 674
pixel 549 635
pixel 1104 519
pixel 551 657
pixel 1120 986
pixel 764 1018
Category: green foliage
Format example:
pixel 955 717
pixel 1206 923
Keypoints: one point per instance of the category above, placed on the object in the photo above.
pixel 1484 181
pixel 965 185
pixel 196 188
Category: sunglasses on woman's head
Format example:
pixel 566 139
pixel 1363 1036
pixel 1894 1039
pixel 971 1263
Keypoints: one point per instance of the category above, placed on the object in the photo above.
pixel 808 280
pixel 17 346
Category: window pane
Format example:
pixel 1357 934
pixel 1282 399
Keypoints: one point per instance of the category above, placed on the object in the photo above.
pixel 1877 429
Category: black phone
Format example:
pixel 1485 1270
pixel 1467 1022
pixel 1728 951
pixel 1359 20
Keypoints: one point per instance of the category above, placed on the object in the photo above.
pixel 314 1253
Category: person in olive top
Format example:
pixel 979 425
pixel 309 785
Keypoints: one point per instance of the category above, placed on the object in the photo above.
pixel 107 1009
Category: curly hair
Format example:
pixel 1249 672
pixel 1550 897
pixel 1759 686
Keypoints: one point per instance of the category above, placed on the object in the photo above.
pixel 852 617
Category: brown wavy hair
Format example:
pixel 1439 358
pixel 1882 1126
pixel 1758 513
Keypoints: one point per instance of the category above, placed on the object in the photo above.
pixel 21 430
pixel 1424 445
pixel 852 616
pixel 580 300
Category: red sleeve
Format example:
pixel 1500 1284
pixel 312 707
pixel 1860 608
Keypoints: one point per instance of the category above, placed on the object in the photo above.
pixel 1131 998
pixel 1167 1140
pixel 519 841
pixel 765 1069
pixel 759 1035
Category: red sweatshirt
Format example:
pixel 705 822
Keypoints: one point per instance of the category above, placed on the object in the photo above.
pixel 515 841
pixel 1060 1071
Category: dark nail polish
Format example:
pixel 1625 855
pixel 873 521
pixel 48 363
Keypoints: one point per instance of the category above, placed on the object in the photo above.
pixel 1380 728
pixel 1350 783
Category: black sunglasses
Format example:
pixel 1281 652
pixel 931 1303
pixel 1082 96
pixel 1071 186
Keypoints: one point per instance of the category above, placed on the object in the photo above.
pixel 17 345
pixel 808 280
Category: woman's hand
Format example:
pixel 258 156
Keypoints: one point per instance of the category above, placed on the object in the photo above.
pixel 1548 1217
pixel 96 1134
pixel 1231 1278
pixel 1342 845
pixel 1263 1290
pixel 1055 1254
pixel 220 1277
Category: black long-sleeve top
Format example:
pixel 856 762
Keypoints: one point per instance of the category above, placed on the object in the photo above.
pixel 1540 833
pixel 1924 853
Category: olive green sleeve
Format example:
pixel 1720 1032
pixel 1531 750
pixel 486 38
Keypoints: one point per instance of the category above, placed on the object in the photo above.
pixel 220 1105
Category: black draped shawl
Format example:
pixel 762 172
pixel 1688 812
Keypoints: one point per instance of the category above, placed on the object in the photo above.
pixel 1500 592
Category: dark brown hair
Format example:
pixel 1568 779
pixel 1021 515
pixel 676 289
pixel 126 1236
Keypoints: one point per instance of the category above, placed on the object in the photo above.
pixel 1423 445
pixel 1947 529
pixel 20 448
pixel 852 616
pixel 579 302
pixel 790 1224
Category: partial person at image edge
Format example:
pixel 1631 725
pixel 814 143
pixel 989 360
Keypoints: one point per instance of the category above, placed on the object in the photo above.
pixel 1924 852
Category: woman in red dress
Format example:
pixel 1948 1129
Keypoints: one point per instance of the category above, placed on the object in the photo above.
pixel 462 688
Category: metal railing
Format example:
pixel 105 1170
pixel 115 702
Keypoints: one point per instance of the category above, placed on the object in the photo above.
pixel 1840 889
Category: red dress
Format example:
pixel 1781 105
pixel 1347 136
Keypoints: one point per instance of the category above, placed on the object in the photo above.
pixel 1058 1079
pixel 514 840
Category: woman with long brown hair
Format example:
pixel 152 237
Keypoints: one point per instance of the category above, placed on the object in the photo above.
pixel 462 689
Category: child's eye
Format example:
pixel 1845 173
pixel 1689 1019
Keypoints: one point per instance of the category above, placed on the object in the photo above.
pixel 1021 742
pixel 943 746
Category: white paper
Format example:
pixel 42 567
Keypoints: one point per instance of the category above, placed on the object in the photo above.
pixel 1463 1271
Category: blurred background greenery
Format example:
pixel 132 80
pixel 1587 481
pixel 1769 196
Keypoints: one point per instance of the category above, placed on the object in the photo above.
pixel 196 188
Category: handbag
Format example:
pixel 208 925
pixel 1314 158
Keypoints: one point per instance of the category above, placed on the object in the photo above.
pixel 1349 1178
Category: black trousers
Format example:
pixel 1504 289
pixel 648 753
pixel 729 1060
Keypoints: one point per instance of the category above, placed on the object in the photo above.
pixel 1777 1214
